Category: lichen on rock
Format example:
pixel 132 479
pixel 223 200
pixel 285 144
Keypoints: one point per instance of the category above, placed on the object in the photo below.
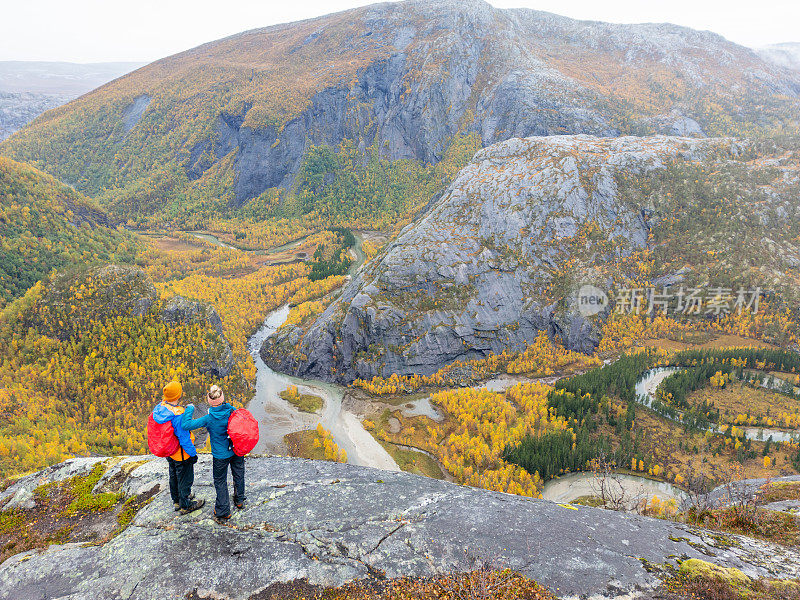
pixel 331 523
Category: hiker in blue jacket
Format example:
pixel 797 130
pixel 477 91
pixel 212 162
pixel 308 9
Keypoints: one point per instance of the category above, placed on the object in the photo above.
pixel 216 423
pixel 181 463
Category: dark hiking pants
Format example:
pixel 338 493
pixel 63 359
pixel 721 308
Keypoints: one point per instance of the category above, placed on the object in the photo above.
pixel 181 478
pixel 222 508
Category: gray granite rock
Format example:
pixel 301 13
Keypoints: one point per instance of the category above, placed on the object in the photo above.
pixel 744 490
pixel 20 493
pixel 787 506
pixel 332 523
pixel 471 277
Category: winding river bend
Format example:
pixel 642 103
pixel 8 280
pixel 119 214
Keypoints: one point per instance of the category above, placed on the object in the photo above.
pixel 277 417
pixel 572 486
pixel 646 392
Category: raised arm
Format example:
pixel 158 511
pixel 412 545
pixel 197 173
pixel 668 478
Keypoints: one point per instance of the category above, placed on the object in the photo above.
pixel 189 423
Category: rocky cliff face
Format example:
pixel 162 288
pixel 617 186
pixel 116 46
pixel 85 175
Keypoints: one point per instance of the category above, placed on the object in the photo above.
pixel 401 79
pixel 332 523
pixel 520 228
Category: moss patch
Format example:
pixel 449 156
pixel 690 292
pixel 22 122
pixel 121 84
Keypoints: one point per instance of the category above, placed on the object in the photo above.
pixel 68 511
pixel 413 462
pixel 694 568
pixel 588 500
pixel 701 580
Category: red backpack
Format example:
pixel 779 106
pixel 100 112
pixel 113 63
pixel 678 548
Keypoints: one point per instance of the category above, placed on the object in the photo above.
pixel 243 431
pixel 161 438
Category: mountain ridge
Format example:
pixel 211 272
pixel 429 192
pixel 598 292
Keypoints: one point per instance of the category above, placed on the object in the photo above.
pixel 233 119
pixel 30 88
pixel 47 225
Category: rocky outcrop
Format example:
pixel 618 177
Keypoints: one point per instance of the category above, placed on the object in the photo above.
pixel 134 111
pixel 381 109
pixel 522 227
pixel 180 310
pixel 523 95
pixel 20 108
pixel 75 299
pixel 745 491
pixel 115 291
pixel 332 523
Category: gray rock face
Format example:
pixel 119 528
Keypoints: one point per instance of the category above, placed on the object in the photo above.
pixel 380 109
pixel 483 72
pixel 134 111
pixel 401 79
pixel 743 491
pixel 20 493
pixel 470 278
pixel 333 523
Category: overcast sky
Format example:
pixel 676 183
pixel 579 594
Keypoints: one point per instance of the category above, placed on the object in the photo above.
pixel 145 30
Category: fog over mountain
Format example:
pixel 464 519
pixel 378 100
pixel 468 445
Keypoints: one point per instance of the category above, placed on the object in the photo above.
pixel 785 55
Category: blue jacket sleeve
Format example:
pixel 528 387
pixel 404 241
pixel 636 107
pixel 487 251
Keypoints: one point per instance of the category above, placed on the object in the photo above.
pixel 189 423
pixel 183 436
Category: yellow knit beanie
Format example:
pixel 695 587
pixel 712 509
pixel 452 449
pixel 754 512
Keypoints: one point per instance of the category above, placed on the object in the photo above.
pixel 172 392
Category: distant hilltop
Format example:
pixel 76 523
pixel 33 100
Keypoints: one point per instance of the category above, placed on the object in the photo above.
pixel 29 88
pixel 61 78
pixel 784 55
pixel 235 119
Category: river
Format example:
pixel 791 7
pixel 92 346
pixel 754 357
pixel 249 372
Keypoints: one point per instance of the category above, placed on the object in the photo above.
pixel 575 485
pixel 646 392
pixel 211 238
pixel 277 417
pixel 356 253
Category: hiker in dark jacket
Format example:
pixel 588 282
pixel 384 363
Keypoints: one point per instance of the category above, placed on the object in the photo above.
pixel 181 463
pixel 216 422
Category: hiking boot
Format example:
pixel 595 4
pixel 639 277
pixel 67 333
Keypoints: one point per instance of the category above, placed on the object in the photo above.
pixel 238 503
pixel 222 520
pixel 197 505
